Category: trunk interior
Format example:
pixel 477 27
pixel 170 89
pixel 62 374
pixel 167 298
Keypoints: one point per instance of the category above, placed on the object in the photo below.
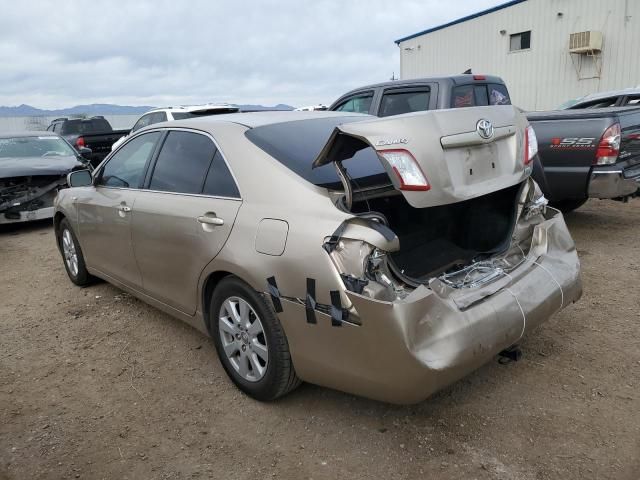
pixel 439 239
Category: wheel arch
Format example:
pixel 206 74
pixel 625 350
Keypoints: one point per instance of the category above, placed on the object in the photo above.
pixel 210 284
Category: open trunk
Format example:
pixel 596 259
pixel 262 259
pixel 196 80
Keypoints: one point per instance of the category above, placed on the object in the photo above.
pixel 449 237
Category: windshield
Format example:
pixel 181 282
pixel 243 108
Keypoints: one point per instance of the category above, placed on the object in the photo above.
pixel 35 147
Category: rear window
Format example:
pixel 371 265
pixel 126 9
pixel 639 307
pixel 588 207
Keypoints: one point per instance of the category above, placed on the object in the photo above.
pixel 297 144
pixel 397 103
pixel 480 95
pixel 94 125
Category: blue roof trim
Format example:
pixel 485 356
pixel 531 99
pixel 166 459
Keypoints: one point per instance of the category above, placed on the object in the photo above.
pixel 460 20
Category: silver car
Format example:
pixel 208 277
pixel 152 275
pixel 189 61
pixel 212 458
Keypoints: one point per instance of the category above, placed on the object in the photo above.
pixel 382 257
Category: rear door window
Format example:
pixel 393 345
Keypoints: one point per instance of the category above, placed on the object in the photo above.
pixel 126 167
pixel 183 163
pixel 396 102
pixel 360 103
pixel 219 181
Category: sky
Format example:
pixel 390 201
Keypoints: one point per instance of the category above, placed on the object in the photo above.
pixel 57 54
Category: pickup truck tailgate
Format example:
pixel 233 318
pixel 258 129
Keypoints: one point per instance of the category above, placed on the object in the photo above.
pixel 448 145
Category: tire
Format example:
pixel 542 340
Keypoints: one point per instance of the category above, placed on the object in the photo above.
pixel 566 206
pixel 70 250
pixel 251 345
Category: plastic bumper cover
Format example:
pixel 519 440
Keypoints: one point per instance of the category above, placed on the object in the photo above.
pixel 406 350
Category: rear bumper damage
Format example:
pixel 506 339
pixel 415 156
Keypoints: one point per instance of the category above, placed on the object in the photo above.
pixel 405 350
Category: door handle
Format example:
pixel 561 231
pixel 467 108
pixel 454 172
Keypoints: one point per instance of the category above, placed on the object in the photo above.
pixel 124 208
pixel 211 220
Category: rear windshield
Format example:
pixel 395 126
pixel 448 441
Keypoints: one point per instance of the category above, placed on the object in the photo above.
pixel 297 144
pixel 94 125
pixel 480 95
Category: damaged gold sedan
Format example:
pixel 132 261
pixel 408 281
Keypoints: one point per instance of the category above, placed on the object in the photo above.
pixel 382 257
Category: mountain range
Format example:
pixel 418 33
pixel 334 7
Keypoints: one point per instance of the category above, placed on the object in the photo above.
pixel 103 109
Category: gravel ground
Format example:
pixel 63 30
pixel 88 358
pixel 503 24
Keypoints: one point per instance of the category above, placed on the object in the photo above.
pixel 95 384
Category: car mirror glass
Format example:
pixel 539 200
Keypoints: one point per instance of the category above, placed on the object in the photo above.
pixel 80 178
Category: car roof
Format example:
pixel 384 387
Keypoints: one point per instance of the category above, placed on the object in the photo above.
pixel 255 119
pixel 456 79
pixel 27 133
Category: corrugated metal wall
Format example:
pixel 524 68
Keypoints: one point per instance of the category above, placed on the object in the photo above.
pixel 544 76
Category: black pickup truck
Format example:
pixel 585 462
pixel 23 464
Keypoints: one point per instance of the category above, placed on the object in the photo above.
pixel 94 133
pixel 588 154
pixel 582 153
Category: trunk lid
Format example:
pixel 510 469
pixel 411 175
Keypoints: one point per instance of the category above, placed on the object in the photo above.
pixel 457 161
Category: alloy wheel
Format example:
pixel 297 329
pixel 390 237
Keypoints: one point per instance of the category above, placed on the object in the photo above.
pixel 243 339
pixel 69 252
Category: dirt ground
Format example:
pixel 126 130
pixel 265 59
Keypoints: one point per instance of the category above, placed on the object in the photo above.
pixel 95 384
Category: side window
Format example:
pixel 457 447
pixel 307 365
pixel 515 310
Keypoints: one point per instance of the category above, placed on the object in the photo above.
pixel 498 94
pixel 520 41
pixel 219 180
pixel 57 127
pixel 398 102
pixel 125 168
pixel 182 163
pixel 601 103
pixel 143 121
pixel 158 117
pixel 357 104
pixel 633 101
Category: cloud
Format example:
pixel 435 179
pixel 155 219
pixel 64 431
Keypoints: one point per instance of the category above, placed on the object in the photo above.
pixel 159 52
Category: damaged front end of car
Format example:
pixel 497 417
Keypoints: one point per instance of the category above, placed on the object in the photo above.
pixel 26 198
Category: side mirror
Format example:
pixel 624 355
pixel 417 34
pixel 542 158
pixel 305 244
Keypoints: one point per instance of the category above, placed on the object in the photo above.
pixel 85 152
pixel 80 178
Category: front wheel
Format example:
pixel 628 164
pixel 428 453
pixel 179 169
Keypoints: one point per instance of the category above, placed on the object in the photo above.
pixel 72 255
pixel 250 341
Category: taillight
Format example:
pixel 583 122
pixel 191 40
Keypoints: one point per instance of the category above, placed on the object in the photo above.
pixel 479 77
pixel 407 169
pixel 80 142
pixel 530 145
pixel 609 146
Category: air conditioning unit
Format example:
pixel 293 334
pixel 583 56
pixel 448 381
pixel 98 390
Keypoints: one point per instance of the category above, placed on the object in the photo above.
pixel 583 42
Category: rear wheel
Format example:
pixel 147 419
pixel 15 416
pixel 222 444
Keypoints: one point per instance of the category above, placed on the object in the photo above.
pixel 566 206
pixel 72 255
pixel 250 341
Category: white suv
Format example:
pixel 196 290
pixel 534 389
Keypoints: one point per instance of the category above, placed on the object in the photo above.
pixel 167 114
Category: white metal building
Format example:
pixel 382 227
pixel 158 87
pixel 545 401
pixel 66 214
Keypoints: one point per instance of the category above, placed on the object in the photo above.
pixel 532 45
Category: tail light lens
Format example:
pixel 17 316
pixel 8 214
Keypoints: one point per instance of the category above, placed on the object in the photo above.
pixel 609 146
pixel 407 169
pixel 530 145
pixel 80 142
